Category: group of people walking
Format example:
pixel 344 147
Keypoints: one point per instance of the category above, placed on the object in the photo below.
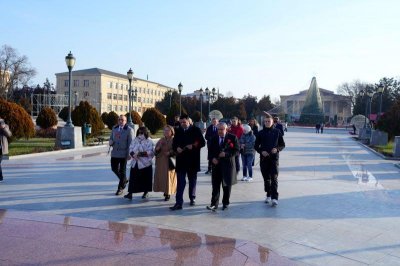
pixel 177 156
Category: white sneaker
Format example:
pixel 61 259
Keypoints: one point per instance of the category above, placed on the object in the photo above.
pixel 267 200
pixel 274 202
pixel 249 179
pixel 244 178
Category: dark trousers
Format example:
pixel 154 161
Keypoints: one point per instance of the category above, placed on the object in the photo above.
pixel 237 163
pixel 269 171
pixel 181 184
pixel 118 166
pixel 216 180
pixel 209 166
pixel 1 157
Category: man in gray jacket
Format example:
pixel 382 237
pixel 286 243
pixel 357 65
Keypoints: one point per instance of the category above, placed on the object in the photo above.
pixel 4 134
pixel 120 139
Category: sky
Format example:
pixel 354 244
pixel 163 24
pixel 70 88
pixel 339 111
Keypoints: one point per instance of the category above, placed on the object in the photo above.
pixel 264 47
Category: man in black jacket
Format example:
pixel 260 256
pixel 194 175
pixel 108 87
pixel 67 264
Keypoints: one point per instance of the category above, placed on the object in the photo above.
pixel 187 143
pixel 210 133
pixel 223 149
pixel 269 143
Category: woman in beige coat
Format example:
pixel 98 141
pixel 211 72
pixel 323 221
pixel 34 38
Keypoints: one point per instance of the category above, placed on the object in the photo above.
pixel 4 134
pixel 164 177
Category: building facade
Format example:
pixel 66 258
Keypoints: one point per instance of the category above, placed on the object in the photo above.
pixel 108 91
pixel 334 105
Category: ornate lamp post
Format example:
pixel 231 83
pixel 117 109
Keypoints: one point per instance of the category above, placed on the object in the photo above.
pixel 380 91
pixel 208 99
pixel 370 94
pixel 170 98
pixel 180 96
pixel 70 61
pixel 201 105
pixel 130 76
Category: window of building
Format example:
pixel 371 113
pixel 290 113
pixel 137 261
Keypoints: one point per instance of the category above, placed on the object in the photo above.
pixel 114 96
pixel 76 83
pixel 125 97
pixel 116 108
pixel 110 84
pixel 327 107
pixel 109 96
pixel 109 107
pixel 116 85
pixel 86 83
pixel 126 108
pixel 139 99
pixel 139 109
pixel 120 108
pixel 66 82
pixel 140 90
pixel 120 97
pixel 86 94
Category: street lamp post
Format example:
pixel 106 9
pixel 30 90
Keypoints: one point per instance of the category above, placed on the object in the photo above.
pixel 130 76
pixel 380 91
pixel 170 98
pixel 180 96
pixel 208 99
pixel 70 61
pixel 370 94
pixel 201 105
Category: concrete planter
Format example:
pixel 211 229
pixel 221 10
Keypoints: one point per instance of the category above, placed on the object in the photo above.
pixel 379 138
pixel 396 147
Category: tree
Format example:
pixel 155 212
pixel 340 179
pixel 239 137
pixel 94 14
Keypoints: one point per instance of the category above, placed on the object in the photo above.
pixel 264 104
pixel 104 116
pixel 46 118
pixel 136 119
pixel 173 111
pixel 250 105
pixel 85 113
pixel 389 121
pixel 13 69
pixel 63 114
pixel 19 121
pixel 112 119
pixel 153 119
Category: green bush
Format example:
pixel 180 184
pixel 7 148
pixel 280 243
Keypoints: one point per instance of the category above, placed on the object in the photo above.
pixel 47 118
pixel 136 119
pixel 112 119
pixel 153 119
pixel 63 114
pixel 19 121
pixel 104 117
pixel 389 121
pixel 85 113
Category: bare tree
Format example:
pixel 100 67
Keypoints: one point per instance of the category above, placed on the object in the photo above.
pixel 13 69
pixel 352 89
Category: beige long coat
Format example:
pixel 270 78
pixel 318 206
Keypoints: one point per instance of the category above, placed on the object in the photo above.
pixel 164 179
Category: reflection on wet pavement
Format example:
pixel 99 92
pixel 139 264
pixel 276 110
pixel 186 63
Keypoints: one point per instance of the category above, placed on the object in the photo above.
pixel 31 238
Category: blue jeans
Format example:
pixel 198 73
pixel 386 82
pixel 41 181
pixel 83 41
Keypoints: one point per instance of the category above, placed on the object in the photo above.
pixel 247 161
pixel 181 180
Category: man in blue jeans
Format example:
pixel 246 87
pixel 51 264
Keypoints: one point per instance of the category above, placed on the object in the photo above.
pixel 187 144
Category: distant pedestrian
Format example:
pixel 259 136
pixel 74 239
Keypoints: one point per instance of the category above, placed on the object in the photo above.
pixel 255 128
pixel 247 152
pixel 141 171
pixel 354 129
pixel 286 126
pixel 223 147
pixel 322 128
pixel 164 174
pixel 269 143
pixel 237 130
pixel 4 134
pixel 187 144
pixel 278 125
pixel 210 133
pixel 120 139
pixel 317 128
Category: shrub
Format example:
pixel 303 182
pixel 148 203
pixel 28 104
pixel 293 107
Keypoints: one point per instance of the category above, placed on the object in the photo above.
pixel 389 121
pixel 154 120
pixel 85 113
pixel 63 114
pixel 112 119
pixel 104 117
pixel 46 118
pixel 19 121
pixel 173 111
pixel 136 119
pixel 46 132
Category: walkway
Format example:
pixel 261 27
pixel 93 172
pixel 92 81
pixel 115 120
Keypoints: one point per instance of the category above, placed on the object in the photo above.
pixel 339 203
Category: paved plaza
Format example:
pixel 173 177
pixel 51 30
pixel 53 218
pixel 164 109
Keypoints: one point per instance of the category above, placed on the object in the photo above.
pixel 339 205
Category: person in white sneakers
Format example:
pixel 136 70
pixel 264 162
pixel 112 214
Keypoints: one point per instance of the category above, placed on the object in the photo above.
pixel 269 143
pixel 247 141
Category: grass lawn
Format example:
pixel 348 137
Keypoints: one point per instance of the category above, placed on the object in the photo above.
pixel 386 150
pixel 33 145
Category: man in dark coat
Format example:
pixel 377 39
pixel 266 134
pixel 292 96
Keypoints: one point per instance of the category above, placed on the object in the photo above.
pixel 269 143
pixel 210 133
pixel 187 143
pixel 278 125
pixel 223 149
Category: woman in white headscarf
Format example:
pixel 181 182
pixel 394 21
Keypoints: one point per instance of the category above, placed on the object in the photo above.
pixel 247 151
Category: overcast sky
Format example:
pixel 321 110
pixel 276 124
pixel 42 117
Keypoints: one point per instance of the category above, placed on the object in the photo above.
pixel 264 47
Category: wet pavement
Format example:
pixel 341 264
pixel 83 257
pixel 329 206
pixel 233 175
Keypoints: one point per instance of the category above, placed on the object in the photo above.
pixel 339 205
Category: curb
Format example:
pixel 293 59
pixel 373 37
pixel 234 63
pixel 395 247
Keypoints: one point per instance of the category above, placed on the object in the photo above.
pixel 379 154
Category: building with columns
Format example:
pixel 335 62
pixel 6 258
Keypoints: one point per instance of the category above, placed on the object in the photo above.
pixel 333 105
pixel 108 91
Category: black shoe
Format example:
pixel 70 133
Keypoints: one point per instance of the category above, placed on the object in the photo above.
pixel 192 202
pixel 119 192
pixel 224 207
pixel 145 195
pixel 175 207
pixel 167 197
pixel 212 208
pixel 128 196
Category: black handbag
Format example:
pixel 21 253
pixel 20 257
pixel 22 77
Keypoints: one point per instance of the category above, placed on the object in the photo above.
pixel 171 163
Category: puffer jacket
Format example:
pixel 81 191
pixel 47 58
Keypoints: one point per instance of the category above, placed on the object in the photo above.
pixel 248 140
